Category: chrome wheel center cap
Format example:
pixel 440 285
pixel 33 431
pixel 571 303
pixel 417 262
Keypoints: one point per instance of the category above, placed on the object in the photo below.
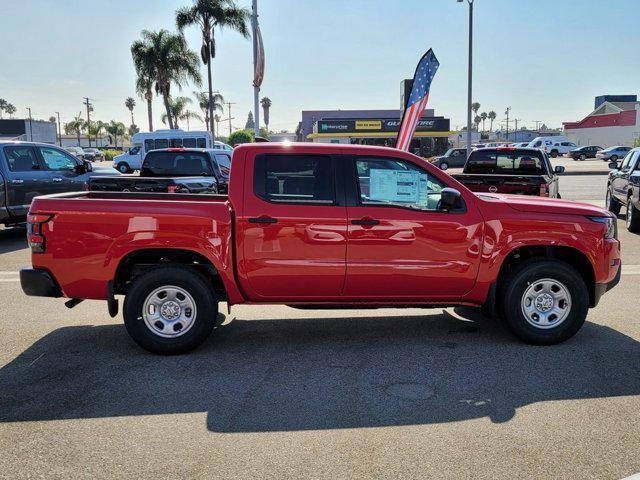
pixel 544 302
pixel 170 310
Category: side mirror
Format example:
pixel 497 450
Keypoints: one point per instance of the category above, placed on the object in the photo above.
pixel 613 165
pixel 449 198
pixel 559 169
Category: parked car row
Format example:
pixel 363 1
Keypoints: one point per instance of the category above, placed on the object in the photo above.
pixel 87 153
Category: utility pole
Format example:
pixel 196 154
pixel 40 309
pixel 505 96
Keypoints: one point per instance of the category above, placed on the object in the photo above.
pixel 507 113
pixel 256 89
pixel 30 125
pixel 59 131
pixel 537 122
pixel 516 120
pixel 88 104
pixel 229 107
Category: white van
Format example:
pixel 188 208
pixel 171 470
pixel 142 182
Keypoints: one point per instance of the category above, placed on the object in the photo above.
pixel 143 142
pixel 553 145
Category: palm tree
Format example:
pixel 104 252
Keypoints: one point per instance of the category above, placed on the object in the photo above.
pixel 10 109
pixel 77 126
pixel 130 103
pixel 166 60
pixel 178 111
pixel 115 130
pixel 144 62
pixel 491 116
pixel 203 102
pixel 266 104
pixel 483 116
pixel 475 106
pixel 477 119
pixel 3 105
pixel 209 14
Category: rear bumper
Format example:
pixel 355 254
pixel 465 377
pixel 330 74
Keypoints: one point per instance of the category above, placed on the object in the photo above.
pixel 602 288
pixel 39 283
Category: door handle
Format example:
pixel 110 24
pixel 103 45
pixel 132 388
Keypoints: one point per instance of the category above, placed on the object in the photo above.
pixel 263 219
pixel 17 181
pixel 57 180
pixel 365 221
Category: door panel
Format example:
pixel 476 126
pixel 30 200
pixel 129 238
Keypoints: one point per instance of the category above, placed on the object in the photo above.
pixel 292 230
pixel 412 252
pixel 62 170
pixel 26 178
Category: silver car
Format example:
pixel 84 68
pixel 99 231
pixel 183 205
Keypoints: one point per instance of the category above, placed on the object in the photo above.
pixel 613 153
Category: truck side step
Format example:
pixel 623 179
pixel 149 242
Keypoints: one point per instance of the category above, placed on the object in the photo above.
pixel 73 302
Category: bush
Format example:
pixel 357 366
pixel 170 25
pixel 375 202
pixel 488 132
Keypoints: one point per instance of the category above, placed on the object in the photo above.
pixel 109 154
pixel 241 136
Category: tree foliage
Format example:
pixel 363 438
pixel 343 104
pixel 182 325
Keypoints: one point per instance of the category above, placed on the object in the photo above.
pixel 241 136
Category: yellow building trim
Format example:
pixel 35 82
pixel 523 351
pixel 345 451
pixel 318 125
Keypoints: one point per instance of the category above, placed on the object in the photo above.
pixel 378 134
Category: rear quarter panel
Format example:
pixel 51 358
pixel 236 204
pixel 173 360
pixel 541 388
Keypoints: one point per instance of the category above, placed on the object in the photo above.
pixel 87 238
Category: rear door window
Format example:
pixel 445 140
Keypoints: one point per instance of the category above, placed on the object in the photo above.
pixel 505 162
pixel 21 159
pixel 300 179
pixel 167 164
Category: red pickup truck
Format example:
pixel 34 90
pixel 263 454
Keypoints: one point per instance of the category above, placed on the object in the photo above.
pixel 319 226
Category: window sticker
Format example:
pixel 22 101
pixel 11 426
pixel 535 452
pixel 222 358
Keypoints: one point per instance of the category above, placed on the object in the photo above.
pixel 398 186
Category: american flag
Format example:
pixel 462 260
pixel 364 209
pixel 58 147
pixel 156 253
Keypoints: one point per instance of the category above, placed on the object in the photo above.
pixel 417 101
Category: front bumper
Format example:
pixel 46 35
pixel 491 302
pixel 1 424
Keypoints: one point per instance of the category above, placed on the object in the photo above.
pixel 36 282
pixel 602 288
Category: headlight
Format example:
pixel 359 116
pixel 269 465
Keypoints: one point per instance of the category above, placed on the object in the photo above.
pixel 610 223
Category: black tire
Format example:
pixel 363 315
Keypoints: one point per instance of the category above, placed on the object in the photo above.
pixel 123 167
pixel 613 158
pixel 185 278
pixel 444 166
pixel 525 275
pixel 612 204
pixel 632 217
pixel 554 153
pixel 583 157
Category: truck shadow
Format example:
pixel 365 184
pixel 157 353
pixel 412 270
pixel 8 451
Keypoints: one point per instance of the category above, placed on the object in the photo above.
pixel 321 373
pixel 12 239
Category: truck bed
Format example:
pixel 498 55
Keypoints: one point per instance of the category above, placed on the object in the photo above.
pixel 96 230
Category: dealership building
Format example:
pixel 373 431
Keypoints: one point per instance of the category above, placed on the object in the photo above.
pixel 374 127
pixel 615 120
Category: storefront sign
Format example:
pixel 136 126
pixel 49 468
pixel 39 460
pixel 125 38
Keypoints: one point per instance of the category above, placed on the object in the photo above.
pixel 435 124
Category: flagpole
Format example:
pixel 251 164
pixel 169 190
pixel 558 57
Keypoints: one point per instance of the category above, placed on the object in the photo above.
pixel 256 90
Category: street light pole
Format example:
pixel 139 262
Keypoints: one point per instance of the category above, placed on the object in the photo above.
pixel 256 89
pixel 469 80
pixel 30 125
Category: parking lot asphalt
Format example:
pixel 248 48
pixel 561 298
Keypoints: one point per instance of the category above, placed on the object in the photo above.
pixel 284 393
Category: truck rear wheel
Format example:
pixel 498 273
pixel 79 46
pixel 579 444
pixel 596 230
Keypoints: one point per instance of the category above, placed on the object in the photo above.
pixel 544 302
pixel 170 310
pixel 123 168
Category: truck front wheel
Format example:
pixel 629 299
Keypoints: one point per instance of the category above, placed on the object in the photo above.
pixel 170 310
pixel 544 302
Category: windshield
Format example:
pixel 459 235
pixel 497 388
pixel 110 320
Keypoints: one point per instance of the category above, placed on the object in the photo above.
pixel 522 162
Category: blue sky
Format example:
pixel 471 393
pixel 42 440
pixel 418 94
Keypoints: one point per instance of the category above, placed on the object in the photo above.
pixel 546 59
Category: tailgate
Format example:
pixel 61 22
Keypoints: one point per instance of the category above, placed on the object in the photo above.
pixel 513 184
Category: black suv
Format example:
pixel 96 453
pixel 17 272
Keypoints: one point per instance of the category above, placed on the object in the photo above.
pixel 582 153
